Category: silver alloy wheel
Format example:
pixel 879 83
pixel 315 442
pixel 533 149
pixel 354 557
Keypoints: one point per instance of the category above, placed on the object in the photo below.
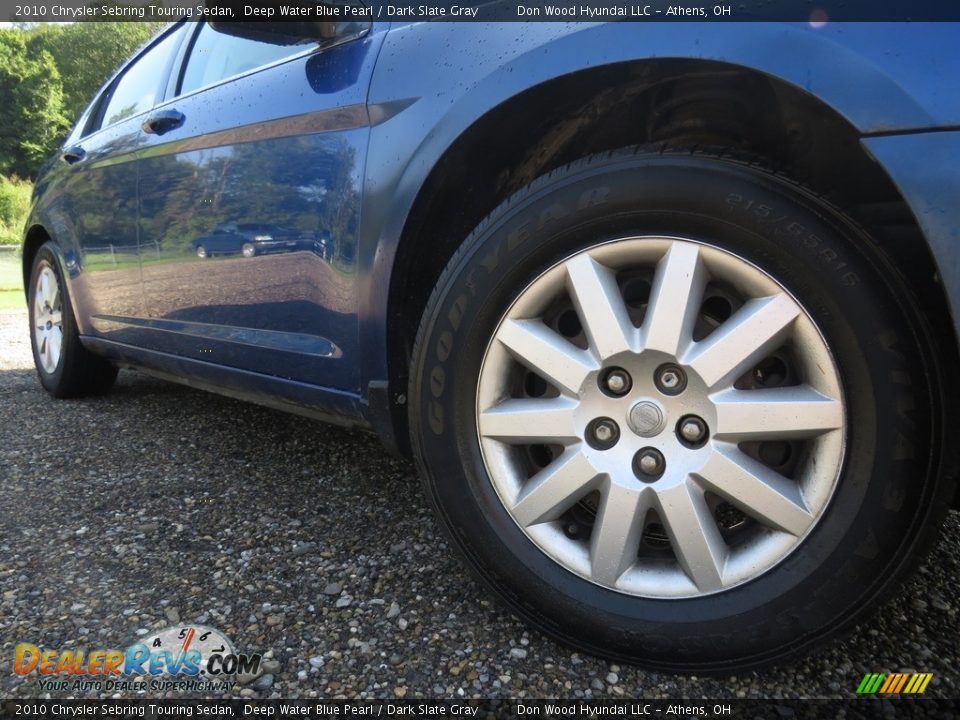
pixel 48 319
pixel 249 250
pixel 202 252
pixel 731 435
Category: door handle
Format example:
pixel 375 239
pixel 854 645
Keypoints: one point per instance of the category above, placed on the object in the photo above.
pixel 163 121
pixel 73 154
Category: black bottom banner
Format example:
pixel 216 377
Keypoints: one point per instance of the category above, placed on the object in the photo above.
pixel 499 708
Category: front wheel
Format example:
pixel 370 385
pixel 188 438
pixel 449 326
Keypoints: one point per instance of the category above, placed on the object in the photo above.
pixel 643 404
pixel 64 366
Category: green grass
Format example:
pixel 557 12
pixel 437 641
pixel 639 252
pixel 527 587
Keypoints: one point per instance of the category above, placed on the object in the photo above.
pixel 11 282
pixel 14 204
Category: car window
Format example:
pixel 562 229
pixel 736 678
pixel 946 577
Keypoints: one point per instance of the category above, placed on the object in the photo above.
pixel 137 89
pixel 216 56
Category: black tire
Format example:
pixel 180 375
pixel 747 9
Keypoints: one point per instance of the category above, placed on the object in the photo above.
pixel 79 372
pixel 890 497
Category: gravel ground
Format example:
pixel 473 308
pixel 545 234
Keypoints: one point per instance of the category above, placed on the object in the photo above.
pixel 157 503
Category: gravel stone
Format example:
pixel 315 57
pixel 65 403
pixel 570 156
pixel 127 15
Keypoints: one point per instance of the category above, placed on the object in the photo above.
pixel 303 548
pixel 234 489
pixel 263 682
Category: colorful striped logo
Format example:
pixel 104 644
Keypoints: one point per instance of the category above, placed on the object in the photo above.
pixel 894 683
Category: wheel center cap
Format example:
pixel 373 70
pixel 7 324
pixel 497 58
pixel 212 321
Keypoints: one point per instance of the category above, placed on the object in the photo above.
pixel 647 418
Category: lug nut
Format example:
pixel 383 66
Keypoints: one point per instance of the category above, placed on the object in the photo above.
pixel 617 382
pixel 649 464
pixel 603 433
pixel 670 379
pixel 692 429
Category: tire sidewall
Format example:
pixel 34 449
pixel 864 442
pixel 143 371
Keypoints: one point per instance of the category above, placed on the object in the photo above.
pixel 826 265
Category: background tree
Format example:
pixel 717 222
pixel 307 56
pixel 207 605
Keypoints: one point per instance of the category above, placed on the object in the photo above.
pixel 87 53
pixel 32 119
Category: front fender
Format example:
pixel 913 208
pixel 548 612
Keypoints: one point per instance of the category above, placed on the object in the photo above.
pixel 923 166
pixel 433 81
pixel 51 215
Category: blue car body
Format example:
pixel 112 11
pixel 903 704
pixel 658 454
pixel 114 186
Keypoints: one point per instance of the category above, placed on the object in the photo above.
pixel 353 141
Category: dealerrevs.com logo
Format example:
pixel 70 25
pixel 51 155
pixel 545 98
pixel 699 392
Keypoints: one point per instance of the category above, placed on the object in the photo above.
pixel 185 658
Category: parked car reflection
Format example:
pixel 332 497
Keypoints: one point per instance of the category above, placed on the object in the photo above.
pixel 250 239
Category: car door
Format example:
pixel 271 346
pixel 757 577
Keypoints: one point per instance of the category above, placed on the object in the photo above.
pixel 100 186
pixel 257 135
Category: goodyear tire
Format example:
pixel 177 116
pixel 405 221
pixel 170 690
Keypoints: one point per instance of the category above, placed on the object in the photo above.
pixel 674 410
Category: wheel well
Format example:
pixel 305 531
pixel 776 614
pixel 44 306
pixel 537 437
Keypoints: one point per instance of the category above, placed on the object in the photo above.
pixel 669 102
pixel 36 236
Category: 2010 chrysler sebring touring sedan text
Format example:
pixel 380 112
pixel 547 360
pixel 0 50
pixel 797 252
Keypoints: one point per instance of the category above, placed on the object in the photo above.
pixel 665 314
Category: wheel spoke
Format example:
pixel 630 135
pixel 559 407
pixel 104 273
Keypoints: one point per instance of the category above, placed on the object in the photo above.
pixel 44 286
pixel 54 342
pixel 547 353
pixel 755 330
pixel 600 305
pixel 778 413
pixel 759 491
pixel 54 290
pixel 675 299
pixel 47 354
pixel 550 492
pixel 56 317
pixel 528 421
pixel 617 531
pixel 694 534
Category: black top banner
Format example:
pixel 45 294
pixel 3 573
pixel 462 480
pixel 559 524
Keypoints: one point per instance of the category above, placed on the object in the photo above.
pixel 812 11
